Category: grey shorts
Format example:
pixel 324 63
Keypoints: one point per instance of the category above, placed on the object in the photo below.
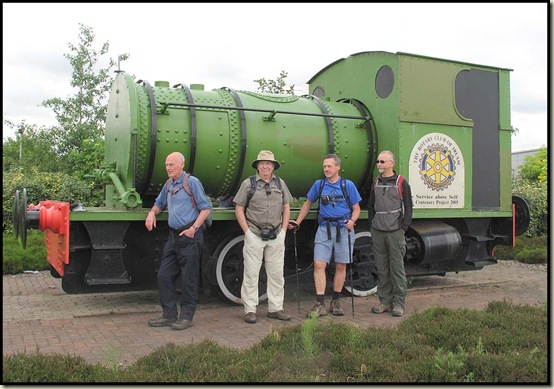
pixel 323 246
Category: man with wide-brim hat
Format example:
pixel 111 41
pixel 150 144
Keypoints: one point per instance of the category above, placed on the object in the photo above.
pixel 266 155
pixel 262 208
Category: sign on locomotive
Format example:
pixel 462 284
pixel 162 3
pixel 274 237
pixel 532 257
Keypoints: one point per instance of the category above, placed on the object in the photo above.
pixel 447 122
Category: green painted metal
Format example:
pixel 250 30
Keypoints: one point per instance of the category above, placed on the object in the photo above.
pixel 231 128
pixel 147 122
pixel 421 102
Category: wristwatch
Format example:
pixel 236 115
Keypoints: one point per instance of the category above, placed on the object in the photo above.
pixel 195 228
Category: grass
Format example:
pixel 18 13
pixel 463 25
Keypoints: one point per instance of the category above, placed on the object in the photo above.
pixel 504 343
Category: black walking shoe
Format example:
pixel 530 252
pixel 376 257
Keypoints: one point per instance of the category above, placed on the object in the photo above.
pixel 181 324
pixel 161 322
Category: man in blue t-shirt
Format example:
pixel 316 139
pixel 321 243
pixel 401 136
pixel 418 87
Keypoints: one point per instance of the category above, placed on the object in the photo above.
pixel 339 209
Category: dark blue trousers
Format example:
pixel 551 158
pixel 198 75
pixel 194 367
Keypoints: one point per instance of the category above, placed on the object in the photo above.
pixel 180 264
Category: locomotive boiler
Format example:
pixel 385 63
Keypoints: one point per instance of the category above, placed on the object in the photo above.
pixel 447 122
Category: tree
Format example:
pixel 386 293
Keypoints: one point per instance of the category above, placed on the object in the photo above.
pixel 275 86
pixel 31 148
pixel 531 183
pixel 75 146
pixel 81 117
pixel 535 167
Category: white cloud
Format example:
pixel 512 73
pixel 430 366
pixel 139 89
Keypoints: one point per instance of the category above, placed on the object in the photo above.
pixel 230 45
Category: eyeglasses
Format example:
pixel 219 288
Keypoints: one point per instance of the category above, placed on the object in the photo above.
pixel 267 189
pixel 381 161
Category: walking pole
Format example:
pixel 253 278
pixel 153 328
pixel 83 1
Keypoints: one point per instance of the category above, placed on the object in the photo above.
pixel 296 261
pixel 351 276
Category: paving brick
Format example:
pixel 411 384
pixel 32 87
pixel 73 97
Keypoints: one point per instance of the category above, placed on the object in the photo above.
pixel 112 329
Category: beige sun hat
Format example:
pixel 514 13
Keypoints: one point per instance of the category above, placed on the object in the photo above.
pixel 266 155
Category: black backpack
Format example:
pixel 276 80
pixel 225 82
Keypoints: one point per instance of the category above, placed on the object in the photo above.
pixel 344 193
pixel 253 189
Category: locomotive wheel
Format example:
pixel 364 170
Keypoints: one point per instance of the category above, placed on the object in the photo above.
pixel 522 214
pixel 230 270
pixel 364 278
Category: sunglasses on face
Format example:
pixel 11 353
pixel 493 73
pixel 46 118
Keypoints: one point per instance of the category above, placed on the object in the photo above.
pixel 380 161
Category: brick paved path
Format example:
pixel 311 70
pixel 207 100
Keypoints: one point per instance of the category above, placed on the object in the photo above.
pixel 112 329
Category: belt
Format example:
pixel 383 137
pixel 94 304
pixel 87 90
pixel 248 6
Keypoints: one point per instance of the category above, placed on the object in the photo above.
pixel 333 219
pixel 181 229
pixel 388 212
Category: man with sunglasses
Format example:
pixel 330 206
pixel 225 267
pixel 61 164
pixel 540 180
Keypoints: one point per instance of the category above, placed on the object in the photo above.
pixel 339 209
pixel 183 248
pixel 264 219
pixel 389 215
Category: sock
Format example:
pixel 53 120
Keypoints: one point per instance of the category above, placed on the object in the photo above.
pixel 321 299
pixel 336 295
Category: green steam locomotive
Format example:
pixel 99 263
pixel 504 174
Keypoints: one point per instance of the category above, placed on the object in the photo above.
pixel 447 122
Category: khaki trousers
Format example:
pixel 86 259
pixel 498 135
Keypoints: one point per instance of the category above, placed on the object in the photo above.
pixel 272 253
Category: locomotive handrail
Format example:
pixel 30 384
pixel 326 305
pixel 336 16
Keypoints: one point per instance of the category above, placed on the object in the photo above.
pixel 165 105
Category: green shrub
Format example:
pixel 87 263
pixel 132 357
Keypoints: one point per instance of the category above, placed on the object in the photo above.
pixel 527 250
pixel 16 259
pixel 536 195
pixel 532 255
pixel 42 186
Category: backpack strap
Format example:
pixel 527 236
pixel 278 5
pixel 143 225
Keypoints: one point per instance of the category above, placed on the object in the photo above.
pixel 399 188
pixel 345 192
pixel 251 191
pixel 399 182
pixel 253 187
pixel 187 189
pixel 185 186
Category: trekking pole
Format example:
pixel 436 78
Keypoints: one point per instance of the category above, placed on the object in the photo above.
pixel 351 276
pixel 296 227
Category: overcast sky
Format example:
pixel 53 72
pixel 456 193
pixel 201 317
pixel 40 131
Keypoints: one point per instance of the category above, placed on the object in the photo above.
pixel 233 44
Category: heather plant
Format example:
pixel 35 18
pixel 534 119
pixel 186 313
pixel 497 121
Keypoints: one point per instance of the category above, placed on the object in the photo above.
pixel 504 343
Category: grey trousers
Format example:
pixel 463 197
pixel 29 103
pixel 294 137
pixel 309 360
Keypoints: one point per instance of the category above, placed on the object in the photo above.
pixel 389 248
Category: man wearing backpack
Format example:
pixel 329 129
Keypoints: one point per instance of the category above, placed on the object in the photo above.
pixel 183 248
pixel 338 212
pixel 389 215
pixel 262 208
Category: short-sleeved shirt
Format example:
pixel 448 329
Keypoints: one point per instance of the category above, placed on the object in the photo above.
pixel 175 199
pixel 264 210
pixel 337 206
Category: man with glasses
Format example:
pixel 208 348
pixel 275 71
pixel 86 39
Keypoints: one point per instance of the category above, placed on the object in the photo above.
pixel 389 215
pixel 264 218
pixel 183 248
pixel 339 209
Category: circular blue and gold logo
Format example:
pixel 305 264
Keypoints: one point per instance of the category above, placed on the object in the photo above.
pixel 437 167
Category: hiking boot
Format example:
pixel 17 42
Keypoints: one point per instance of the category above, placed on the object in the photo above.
pixel 250 317
pixel 381 308
pixel 161 322
pixel 281 315
pixel 397 310
pixel 181 324
pixel 335 308
pixel 317 311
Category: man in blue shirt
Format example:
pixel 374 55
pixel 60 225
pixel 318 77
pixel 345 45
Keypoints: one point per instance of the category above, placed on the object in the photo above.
pixel 336 213
pixel 184 245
